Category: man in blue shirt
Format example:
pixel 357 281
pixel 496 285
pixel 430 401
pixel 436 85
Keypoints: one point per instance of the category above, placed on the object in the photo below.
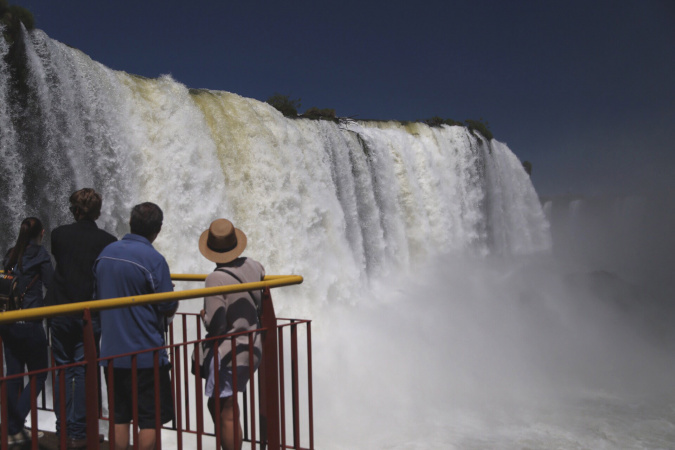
pixel 128 267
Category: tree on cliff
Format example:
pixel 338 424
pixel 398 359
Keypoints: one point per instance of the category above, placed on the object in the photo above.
pixel 315 113
pixel 481 126
pixel 288 107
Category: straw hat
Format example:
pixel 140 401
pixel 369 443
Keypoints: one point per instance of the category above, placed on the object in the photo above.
pixel 222 242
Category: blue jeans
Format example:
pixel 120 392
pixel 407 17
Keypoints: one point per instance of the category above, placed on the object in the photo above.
pixel 25 347
pixel 68 348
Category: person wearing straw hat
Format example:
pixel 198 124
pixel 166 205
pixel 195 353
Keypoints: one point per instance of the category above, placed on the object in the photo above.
pixel 223 244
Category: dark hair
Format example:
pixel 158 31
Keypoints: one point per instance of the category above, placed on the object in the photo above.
pixel 146 219
pixel 31 227
pixel 85 204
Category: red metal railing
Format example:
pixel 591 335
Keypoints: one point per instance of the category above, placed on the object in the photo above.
pixel 264 409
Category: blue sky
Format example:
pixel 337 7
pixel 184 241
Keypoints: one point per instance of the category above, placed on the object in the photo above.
pixel 584 90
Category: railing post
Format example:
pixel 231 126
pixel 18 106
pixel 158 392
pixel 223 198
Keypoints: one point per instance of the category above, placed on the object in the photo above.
pixel 295 385
pixel 310 393
pixel 90 380
pixel 268 372
pixel 4 412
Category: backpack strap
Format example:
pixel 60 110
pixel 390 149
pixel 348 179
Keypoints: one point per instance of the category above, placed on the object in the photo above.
pixel 258 305
pixel 18 300
pixel 30 285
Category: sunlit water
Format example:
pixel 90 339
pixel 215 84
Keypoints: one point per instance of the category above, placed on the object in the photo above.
pixel 441 318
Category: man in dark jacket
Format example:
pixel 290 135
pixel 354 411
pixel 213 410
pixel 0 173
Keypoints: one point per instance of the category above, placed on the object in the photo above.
pixel 75 248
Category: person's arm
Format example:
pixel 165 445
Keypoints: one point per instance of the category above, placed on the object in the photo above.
pixel 168 309
pixel 164 284
pixel 55 247
pixel 46 269
pixel 5 260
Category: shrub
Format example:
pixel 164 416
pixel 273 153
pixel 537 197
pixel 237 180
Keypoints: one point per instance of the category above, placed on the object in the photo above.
pixel 317 114
pixel 528 167
pixel 21 14
pixel 453 122
pixel 438 121
pixel 434 121
pixel 11 16
pixel 478 125
pixel 288 107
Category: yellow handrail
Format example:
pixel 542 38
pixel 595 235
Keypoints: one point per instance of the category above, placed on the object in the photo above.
pixel 270 281
pixel 202 277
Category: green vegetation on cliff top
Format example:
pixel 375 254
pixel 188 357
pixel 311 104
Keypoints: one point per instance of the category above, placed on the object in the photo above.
pixel 289 108
pixel 11 16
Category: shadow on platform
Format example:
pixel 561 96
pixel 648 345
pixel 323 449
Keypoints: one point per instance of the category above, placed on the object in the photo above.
pixel 49 441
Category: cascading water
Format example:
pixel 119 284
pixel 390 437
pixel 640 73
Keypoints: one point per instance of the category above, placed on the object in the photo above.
pixel 364 199
pixel 416 243
pixel 11 183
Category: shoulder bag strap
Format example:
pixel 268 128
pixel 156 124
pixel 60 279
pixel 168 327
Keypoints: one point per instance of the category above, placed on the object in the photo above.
pixel 18 302
pixel 30 285
pixel 257 306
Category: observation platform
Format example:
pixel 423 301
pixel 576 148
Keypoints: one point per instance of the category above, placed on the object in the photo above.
pixel 276 410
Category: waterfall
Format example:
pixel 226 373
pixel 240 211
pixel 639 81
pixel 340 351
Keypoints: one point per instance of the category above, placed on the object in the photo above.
pixel 12 179
pixel 442 319
pixel 342 203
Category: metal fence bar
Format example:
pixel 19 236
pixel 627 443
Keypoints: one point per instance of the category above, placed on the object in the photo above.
pixel 199 398
pixel 294 386
pixel 185 370
pixel 111 402
pixel 91 382
pixel 216 393
pixel 177 396
pixel 158 401
pixel 282 383
pixel 310 392
pixel 134 399
pixel 245 417
pixel 251 389
pixel 53 375
pixel 62 409
pixel 32 381
pixel 235 392
pixel 270 371
pixel 4 412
